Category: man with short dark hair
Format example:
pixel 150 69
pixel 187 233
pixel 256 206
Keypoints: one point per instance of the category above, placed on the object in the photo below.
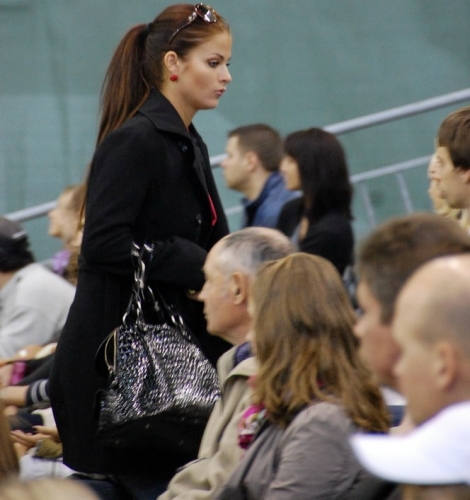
pixel 34 302
pixel 431 328
pixel 230 268
pixel 254 153
pixel 386 259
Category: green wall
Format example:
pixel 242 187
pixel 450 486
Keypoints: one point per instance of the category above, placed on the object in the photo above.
pixel 295 64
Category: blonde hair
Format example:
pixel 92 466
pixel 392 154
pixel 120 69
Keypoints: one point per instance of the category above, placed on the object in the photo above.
pixel 305 345
pixel 8 459
pixel 46 488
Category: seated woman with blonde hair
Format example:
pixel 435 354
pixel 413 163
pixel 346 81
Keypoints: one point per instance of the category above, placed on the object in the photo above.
pixel 311 391
pixel 66 224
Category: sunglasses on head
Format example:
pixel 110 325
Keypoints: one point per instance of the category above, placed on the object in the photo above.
pixel 201 10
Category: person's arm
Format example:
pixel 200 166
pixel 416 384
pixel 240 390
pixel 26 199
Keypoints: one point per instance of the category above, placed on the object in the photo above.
pixel 25 395
pixel 14 395
pixel 22 324
pixel 116 200
pixel 316 461
pixel 38 369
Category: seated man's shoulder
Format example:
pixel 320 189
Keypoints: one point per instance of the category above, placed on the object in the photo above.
pixel 229 368
pixel 38 281
pixel 323 414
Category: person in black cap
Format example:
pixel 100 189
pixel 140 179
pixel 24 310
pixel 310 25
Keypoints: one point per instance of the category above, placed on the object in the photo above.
pixel 34 302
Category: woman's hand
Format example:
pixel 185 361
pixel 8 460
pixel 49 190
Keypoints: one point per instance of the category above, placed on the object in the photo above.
pixel 27 440
pixel 50 432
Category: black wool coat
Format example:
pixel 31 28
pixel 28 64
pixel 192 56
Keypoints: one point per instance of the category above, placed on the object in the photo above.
pixel 149 180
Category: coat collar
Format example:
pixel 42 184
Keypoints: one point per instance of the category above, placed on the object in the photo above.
pixel 159 110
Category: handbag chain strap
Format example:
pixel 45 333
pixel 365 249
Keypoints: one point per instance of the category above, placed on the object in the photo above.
pixel 142 293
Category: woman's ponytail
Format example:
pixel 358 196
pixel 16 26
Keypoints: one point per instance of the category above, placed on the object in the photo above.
pixel 125 86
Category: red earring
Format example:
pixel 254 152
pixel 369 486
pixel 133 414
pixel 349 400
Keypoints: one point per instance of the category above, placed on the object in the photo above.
pixel 173 78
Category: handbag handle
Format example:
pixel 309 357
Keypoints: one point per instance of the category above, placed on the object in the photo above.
pixel 105 359
pixel 142 292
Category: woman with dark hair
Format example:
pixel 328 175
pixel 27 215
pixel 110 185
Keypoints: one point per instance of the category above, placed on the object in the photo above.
pixel 311 390
pixel 320 221
pixel 149 180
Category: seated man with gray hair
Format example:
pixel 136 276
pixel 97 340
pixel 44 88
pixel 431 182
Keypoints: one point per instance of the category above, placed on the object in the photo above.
pixel 230 268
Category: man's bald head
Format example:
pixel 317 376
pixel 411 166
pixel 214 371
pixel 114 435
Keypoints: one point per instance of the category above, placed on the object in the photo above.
pixel 438 294
pixel 432 328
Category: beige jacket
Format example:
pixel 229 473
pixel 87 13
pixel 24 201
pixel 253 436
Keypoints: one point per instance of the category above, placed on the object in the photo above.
pixel 219 453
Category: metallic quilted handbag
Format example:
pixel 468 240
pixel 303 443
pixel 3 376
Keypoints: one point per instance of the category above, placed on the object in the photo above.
pixel 161 386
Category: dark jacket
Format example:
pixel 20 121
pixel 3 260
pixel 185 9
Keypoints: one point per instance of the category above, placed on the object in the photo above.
pixel 149 180
pixel 330 237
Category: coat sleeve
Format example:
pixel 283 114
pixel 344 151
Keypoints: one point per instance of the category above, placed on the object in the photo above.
pixel 116 198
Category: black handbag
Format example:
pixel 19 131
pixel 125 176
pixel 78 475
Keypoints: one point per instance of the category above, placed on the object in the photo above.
pixel 161 386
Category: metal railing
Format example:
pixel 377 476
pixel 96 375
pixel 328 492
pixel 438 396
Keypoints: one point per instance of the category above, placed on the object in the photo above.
pixel 397 170
pixel 348 126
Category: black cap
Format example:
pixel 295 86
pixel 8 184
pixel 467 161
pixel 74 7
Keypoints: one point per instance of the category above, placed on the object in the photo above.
pixel 11 230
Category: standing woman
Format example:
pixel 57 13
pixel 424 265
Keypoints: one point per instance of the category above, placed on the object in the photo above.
pixel 319 221
pixel 149 179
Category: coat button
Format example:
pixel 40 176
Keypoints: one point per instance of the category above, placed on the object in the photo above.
pixel 183 147
pixel 199 219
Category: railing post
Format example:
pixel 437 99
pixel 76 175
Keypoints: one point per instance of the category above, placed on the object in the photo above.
pixel 364 191
pixel 405 194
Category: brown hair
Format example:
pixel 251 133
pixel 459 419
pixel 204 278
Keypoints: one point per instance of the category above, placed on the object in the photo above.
pixel 77 205
pixel 8 459
pixel 137 63
pixel 433 491
pixel 78 196
pixel 454 134
pixel 262 140
pixel 305 345
pixel 77 201
pixel 393 251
